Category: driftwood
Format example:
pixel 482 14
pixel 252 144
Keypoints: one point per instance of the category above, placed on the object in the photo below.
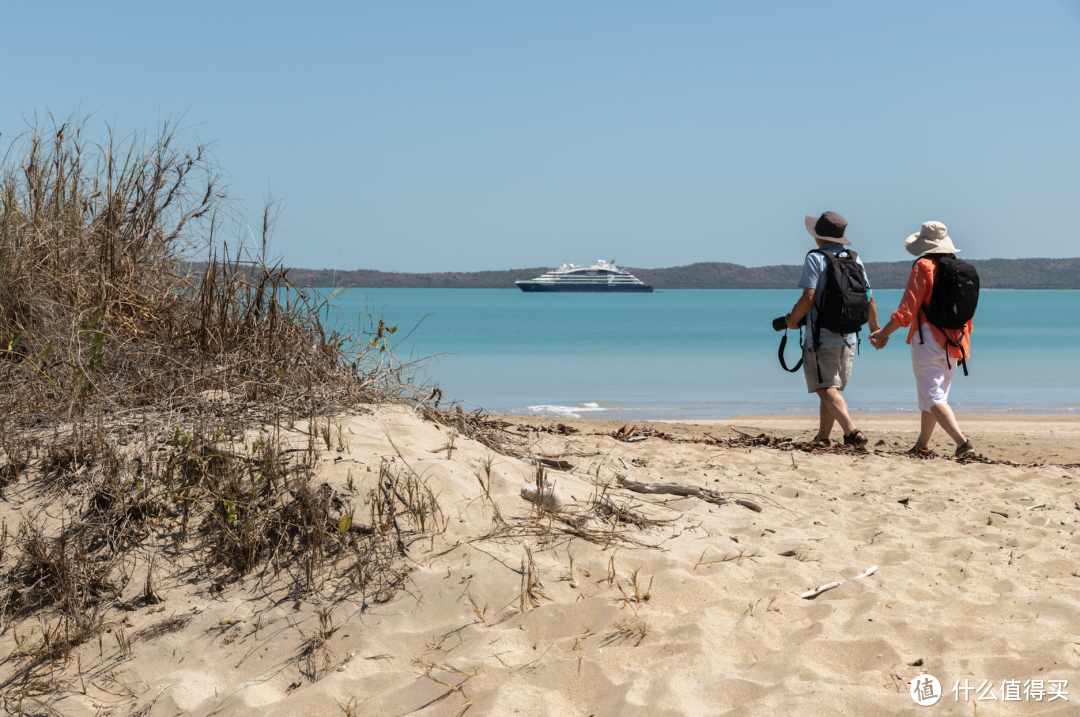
pixel 692 491
pixel 818 590
pixel 811 594
pixel 552 463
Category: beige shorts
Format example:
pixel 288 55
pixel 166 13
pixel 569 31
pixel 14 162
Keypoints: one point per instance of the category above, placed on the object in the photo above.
pixel 835 365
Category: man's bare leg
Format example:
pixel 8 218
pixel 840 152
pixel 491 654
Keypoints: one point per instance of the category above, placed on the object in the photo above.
pixel 825 421
pixel 833 401
pixel 944 415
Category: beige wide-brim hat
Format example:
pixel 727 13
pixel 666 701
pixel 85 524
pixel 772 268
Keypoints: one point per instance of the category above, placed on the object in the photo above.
pixel 933 238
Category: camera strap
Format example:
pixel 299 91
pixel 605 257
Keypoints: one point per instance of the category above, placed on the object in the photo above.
pixel 780 353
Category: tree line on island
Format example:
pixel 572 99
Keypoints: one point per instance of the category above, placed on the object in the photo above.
pixel 994 274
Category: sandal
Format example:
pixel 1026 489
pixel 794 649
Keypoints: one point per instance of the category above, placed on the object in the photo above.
pixel 964 450
pixel 920 452
pixel 821 442
pixel 856 438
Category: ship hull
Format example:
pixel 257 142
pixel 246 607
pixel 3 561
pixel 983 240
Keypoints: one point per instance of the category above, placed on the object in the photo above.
pixel 591 288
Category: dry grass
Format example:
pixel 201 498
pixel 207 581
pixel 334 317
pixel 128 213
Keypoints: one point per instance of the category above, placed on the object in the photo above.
pixel 132 383
pixel 480 612
pixel 529 594
pixel 163 627
pixel 315 655
pixel 100 309
pixel 485 484
pixel 349 708
pixel 428 670
pixel 738 557
pixel 600 520
pixel 642 592
pixel 626 631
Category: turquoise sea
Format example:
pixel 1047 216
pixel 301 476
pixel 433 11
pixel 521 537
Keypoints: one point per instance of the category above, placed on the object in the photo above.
pixel 702 354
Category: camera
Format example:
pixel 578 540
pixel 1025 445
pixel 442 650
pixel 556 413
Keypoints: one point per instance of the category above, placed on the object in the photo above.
pixel 781 323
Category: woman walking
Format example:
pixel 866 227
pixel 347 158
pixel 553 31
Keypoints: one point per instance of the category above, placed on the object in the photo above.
pixel 934 351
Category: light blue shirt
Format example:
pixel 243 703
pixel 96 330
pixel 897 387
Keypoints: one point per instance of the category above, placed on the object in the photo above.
pixel 813 277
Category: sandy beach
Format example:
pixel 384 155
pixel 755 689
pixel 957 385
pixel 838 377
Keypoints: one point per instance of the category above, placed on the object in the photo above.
pixel 621 603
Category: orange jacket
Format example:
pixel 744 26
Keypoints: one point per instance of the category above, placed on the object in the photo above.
pixel 920 285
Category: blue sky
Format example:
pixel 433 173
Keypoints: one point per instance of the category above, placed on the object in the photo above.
pixel 429 136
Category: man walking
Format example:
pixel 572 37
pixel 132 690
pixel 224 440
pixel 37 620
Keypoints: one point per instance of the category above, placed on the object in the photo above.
pixel 836 302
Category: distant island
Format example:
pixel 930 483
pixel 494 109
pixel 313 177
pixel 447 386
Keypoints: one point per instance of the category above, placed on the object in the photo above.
pixel 994 274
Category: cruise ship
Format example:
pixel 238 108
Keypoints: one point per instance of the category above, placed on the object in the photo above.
pixel 601 276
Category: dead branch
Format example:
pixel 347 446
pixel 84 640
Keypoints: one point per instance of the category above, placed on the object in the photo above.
pixel 691 491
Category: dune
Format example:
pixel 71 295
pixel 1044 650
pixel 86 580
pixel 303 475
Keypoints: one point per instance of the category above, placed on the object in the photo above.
pixel 620 602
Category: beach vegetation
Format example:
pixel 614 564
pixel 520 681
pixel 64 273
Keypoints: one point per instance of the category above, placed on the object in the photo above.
pixel 151 356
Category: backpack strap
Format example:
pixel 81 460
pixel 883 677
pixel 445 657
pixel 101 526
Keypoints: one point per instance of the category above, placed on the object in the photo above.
pixel 919 311
pixel 853 256
pixel 829 259
pixel 858 338
pixel 963 355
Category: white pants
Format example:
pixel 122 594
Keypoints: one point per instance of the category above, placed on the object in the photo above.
pixel 933 369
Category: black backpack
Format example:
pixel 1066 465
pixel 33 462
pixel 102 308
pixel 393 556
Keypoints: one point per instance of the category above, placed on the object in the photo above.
pixel 954 299
pixel 845 308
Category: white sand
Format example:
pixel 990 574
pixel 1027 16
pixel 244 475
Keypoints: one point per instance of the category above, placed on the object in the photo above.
pixel 971 593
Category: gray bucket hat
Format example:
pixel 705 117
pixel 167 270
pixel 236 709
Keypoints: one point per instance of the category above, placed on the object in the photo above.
pixel 830 226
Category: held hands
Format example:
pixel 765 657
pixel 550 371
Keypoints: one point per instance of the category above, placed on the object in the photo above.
pixel 879 338
pixel 792 324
